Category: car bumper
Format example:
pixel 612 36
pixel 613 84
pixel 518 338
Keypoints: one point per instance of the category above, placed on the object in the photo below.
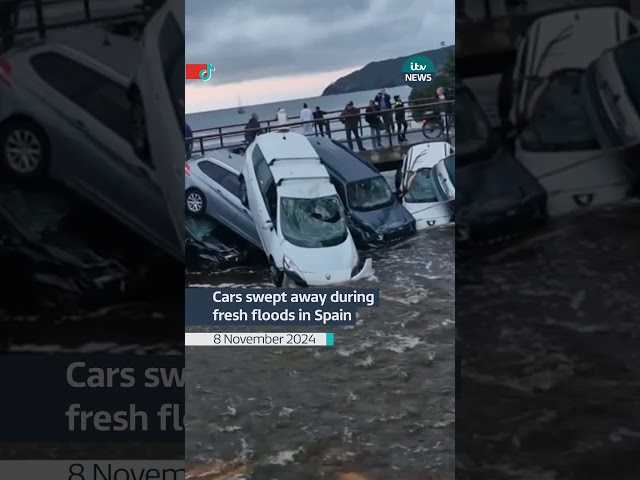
pixel 425 223
pixel 314 279
pixel 503 225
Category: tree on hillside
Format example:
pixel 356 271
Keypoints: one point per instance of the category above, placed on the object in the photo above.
pixel 426 94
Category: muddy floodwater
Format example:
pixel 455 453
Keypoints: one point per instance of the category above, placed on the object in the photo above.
pixel 548 337
pixel 381 401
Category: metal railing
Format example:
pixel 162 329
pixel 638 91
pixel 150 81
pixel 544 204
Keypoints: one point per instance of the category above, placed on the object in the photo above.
pixel 12 13
pixel 224 136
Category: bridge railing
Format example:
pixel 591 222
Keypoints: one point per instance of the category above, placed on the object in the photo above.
pixel 22 18
pixel 231 137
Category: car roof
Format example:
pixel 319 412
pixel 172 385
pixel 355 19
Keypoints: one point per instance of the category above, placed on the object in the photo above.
pixel 573 30
pixel 229 160
pixel 299 170
pixel 426 155
pixel 285 146
pixel 92 45
pixel 343 163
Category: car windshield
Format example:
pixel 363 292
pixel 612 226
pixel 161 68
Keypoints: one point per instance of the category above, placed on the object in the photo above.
pixel 420 188
pixel 450 165
pixel 559 121
pixel 369 194
pixel 473 132
pixel 201 228
pixel 626 57
pixel 313 222
pixel 36 214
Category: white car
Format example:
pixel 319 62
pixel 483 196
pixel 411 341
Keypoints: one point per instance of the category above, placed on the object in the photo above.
pixel 555 139
pixel 612 94
pixel 415 186
pixel 76 132
pixel 298 213
pixel 157 97
pixel 443 180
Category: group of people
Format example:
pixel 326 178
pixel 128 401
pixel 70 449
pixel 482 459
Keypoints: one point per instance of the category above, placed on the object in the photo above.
pixel 379 113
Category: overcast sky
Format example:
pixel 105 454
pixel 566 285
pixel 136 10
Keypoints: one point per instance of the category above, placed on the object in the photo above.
pixel 271 50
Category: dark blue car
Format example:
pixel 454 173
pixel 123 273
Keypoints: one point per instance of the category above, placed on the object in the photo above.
pixel 375 215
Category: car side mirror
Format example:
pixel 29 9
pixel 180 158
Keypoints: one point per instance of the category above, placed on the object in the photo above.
pixel 268 225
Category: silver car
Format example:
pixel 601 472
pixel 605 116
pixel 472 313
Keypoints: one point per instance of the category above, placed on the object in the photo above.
pixel 212 187
pixel 64 115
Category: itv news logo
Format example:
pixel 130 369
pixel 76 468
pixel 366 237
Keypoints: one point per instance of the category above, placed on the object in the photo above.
pixel 199 71
pixel 418 69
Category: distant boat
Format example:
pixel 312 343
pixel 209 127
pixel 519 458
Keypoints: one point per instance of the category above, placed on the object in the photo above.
pixel 240 107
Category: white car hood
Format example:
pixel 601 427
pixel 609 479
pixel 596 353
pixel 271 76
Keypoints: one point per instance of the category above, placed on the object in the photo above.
pixel 323 260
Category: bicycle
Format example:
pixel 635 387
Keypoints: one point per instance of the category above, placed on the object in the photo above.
pixel 435 128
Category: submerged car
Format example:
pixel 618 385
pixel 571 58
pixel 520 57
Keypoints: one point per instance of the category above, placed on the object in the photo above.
pixel 415 188
pixel 498 197
pixel 554 137
pixel 44 254
pixel 375 215
pixel 204 247
pixel 557 42
pixel 298 214
pixel 611 93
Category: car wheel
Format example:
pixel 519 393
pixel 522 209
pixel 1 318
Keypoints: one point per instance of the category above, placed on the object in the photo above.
pixel 244 198
pixel 24 148
pixel 276 276
pixel 195 202
pixel 138 127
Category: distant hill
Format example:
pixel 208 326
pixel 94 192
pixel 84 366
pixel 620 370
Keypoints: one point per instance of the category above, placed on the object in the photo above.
pixel 385 73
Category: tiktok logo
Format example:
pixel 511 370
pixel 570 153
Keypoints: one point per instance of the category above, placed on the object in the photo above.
pixel 205 74
pixel 199 71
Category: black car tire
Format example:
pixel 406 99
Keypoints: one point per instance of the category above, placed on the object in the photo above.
pixel 276 276
pixel 244 198
pixel 138 126
pixel 33 160
pixel 195 202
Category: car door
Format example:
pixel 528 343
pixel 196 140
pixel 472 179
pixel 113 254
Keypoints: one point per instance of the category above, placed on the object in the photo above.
pixel 105 169
pixel 223 200
pixel 230 183
pixel 216 204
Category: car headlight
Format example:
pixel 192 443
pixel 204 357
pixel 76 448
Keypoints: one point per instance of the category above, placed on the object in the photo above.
pixel 292 270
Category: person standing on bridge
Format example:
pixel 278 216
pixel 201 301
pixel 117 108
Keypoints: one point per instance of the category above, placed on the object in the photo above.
pixel 306 116
pixel 318 115
pixel 372 117
pixel 252 129
pixel 350 117
pixel 442 109
pixel 383 100
pixel 398 107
